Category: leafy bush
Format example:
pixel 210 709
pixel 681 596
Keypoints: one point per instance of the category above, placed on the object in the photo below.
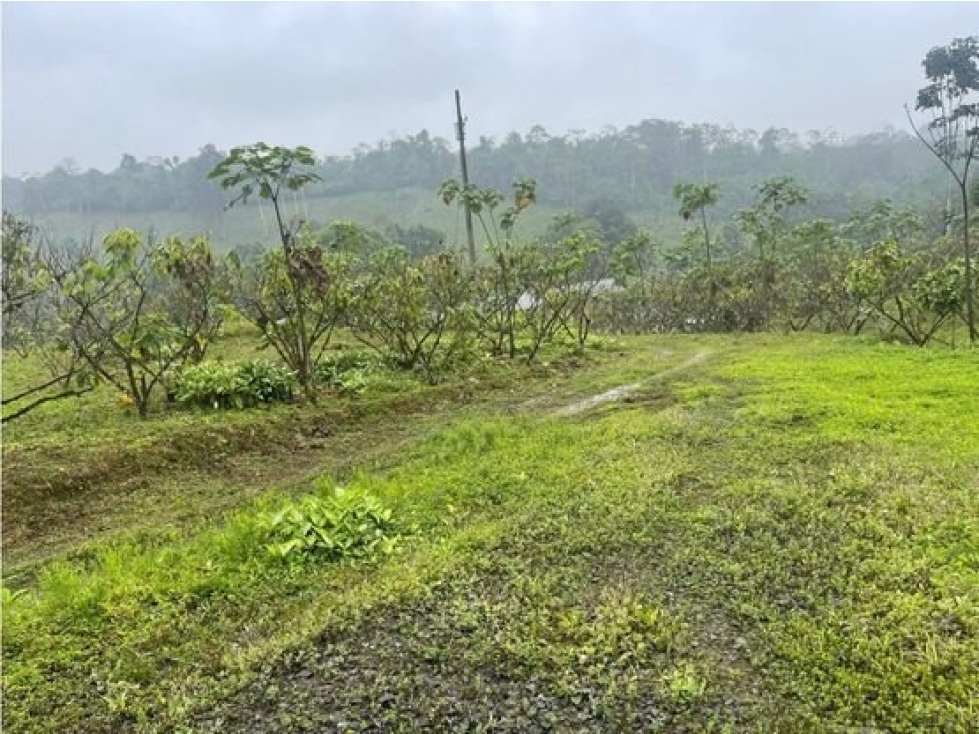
pixel 338 362
pixel 415 314
pixel 135 311
pixel 268 382
pixel 209 384
pixel 350 524
pixel 911 293
pixel 346 372
pixel 222 385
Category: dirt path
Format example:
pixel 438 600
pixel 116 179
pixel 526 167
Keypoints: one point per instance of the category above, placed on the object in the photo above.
pixel 622 391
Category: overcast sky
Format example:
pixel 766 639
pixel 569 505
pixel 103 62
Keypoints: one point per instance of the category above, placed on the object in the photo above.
pixel 92 81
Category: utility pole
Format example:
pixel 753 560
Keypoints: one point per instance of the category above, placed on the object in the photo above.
pixel 461 134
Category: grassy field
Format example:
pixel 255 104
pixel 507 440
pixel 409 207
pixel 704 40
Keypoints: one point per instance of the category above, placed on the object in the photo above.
pixel 768 533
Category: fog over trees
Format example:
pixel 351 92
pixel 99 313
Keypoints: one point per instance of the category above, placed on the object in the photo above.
pixel 637 167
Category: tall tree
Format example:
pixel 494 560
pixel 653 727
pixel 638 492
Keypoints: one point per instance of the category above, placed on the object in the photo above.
pixel 695 198
pixel 952 134
pixel 300 330
pixel 766 218
pixel 766 222
pixel 269 172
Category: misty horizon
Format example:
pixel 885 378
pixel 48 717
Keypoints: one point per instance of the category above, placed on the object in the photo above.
pixel 472 140
pixel 91 82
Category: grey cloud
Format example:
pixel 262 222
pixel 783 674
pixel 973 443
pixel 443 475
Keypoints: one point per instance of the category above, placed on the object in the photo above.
pixel 95 80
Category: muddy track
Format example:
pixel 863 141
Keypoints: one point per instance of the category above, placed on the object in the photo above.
pixel 624 391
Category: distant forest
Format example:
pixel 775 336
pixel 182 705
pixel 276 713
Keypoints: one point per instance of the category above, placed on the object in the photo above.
pixel 635 168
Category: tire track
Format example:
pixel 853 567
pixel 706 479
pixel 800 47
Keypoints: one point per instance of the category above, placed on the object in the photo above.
pixel 623 391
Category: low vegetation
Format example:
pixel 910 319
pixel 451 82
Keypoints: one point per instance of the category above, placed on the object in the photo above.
pixel 748 543
pixel 234 385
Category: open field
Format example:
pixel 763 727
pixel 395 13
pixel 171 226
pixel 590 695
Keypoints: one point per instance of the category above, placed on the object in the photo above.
pixel 765 533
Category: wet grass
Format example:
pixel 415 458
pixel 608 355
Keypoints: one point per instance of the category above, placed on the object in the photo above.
pixel 784 537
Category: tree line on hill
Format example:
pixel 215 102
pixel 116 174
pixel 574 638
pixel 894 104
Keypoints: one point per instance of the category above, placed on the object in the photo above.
pixel 636 167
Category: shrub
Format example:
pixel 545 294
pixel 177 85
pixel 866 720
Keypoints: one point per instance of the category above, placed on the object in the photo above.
pixel 346 372
pixel 350 524
pixel 415 314
pixel 911 293
pixel 220 385
pixel 268 382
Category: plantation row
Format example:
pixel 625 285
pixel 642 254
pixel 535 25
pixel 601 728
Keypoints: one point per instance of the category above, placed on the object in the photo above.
pixel 140 315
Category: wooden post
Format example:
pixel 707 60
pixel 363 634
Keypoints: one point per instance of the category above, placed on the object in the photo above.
pixel 461 134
